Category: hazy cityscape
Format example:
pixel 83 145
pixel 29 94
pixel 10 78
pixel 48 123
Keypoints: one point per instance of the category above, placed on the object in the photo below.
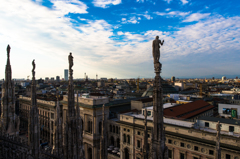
pixel 119 79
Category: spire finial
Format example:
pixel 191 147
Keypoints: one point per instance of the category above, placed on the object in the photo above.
pixel 8 50
pixel 34 66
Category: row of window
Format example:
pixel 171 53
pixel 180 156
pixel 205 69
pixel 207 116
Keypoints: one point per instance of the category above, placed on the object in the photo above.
pixel 196 148
pixel 114 129
pixel 231 128
pixel 126 138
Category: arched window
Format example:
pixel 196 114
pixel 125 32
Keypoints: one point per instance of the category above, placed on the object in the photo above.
pixel 116 130
pixel 112 140
pixel 118 142
pixel 113 129
pixel 124 138
pixel 90 126
pixel 100 128
pixel 126 153
pixel 128 139
pixel 110 128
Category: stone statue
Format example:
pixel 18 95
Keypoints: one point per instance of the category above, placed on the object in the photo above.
pixel 156 49
pixel 34 66
pixel 70 60
pixel 218 127
pixel 8 50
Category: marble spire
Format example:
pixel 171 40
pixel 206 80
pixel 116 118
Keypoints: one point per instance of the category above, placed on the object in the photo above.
pixel 58 137
pixel 72 142
pixel 9 120
pixel 33 120
pixel 159 149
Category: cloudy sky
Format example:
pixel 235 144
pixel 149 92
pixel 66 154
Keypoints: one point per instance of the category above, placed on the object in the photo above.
pixel 113 37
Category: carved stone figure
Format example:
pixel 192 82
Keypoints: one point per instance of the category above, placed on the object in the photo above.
pixel 8 50
pixel 156 49
pixel 70 60
pixel 34 66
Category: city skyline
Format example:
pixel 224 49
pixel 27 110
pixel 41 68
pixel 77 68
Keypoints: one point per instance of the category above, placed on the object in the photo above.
pixel 113 38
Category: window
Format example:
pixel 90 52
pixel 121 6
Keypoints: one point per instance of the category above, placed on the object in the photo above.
pixel 148 135
pixel 138 132
pixel 211 152
pixel 182 144
pixel 128 139
pixel 231 128
pixel 128 130
pixel 143 112
pixel 116 130
pixel 206 124
pixel 113 129
pixel 110 128
pixel 181 155
pixel 169 141
pixel 90 126
pixel 124 138
pixel 195 158
pixel 228 156
pixel 138 144
pixel 100 127
pixel 169 153
pixel 148 113
pixel 195 148
pixel 124 129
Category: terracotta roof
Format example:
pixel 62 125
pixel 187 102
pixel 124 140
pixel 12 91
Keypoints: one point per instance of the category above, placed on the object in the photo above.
pixel 185 111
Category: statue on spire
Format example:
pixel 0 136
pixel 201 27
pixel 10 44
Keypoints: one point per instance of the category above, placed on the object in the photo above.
pixel 33 70
pixel 70 60
pixel 156 49
pixel 8 51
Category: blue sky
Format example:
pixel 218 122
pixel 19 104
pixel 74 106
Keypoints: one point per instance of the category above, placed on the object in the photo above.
pixel 113 37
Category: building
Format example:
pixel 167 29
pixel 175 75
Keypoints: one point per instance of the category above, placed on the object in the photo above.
pixel 224 78
pixel 229 110
pixel 58 78
pixel 173 78
pixel 66 74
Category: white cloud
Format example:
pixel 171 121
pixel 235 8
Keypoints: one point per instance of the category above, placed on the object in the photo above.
pixel 168 9
pixel 168 1
pixel 184 2
pixel 133 20
pixel 105 3
pixel 140 1
pixel 196 17
pixel 173 13
pixel 70 6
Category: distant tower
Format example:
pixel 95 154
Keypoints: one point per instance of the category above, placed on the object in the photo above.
pixel 173 79
pixel 213 78
pixel 159 149
pixel 223 78
pixel 9 120
pixel 85 75
pixel 103 141
pixel 66 74
pixel 218 149
pixel 145 145
pixel 33 120
pixel 96 76
pixel 58 136
pixel 72 138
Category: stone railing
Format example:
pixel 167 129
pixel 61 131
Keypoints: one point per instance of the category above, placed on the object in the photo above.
pixel 52 103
